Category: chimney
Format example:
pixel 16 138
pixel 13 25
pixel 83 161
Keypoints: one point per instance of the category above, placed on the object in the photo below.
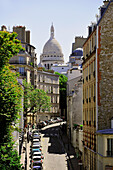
pixel 20 30
pixel 3 28
pixel 106 3
pixel 28 37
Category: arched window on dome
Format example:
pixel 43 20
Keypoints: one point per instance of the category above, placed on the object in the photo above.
pixel 51 56
pixel 47 56
pixel 54 55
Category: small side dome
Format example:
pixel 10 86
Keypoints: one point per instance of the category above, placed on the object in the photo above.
pixel 78 52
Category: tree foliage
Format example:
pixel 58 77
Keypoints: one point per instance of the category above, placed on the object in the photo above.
pixel 63 95
pixel 35 100
pixel 10 101
pixel 9 46
pixel 62 81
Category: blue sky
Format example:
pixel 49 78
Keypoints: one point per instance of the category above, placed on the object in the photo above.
pixel 70 18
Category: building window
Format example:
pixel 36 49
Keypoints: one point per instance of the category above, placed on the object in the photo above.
pixel 21 60
pixel 51 99
pixel 110 147
pixel 22 71
pixel 48 66
pixel 39 78
pixel 51 89
pixel 56 99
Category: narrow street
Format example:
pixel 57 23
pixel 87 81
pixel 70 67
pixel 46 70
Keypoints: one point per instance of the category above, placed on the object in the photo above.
pixel 52 148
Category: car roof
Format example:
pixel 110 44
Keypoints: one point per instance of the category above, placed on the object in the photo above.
pixel 36 157
pixel 36 166
pixel 37 153
pixel 39 161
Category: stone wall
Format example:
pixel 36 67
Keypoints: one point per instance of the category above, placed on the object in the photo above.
pixel 105 109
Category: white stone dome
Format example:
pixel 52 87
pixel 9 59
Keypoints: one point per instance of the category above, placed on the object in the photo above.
pixel 52 47
pixel 52 52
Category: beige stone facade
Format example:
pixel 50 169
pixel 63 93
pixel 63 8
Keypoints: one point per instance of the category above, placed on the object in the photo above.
pixel 26 61
pixel 49 82
pixel 98 91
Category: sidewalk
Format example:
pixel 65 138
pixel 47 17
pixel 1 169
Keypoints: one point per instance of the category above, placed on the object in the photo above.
pixel 72 161
pixel 25 154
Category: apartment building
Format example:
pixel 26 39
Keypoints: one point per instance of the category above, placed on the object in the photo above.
pixel 98 92
pixel 49 82
pixel 26 61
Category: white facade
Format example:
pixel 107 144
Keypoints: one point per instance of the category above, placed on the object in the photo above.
pixel 60 68
pixel 49 82
pixel 74 73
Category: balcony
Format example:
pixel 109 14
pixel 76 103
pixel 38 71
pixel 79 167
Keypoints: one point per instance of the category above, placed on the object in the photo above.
pixel 17 62
pixel 109 153
pixel 21 62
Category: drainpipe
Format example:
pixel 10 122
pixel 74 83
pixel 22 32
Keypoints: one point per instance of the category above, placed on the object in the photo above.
pixel 97 82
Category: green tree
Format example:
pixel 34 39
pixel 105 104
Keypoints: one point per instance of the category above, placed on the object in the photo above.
pixel 9 46
pixel 63 93
pixel 10 101
pixel 35 100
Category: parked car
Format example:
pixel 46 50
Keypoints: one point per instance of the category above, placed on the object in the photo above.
pixel 36 158
pixel 38 154
pixel 36 163
pixel 36 140
pixel 36 146
pixel 36 137
pixel 37 168
pixel 35 131
pixel 35 150
pixel 36 143
pixel 59 119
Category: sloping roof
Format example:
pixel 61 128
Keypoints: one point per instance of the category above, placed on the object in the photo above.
pixel 104 12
